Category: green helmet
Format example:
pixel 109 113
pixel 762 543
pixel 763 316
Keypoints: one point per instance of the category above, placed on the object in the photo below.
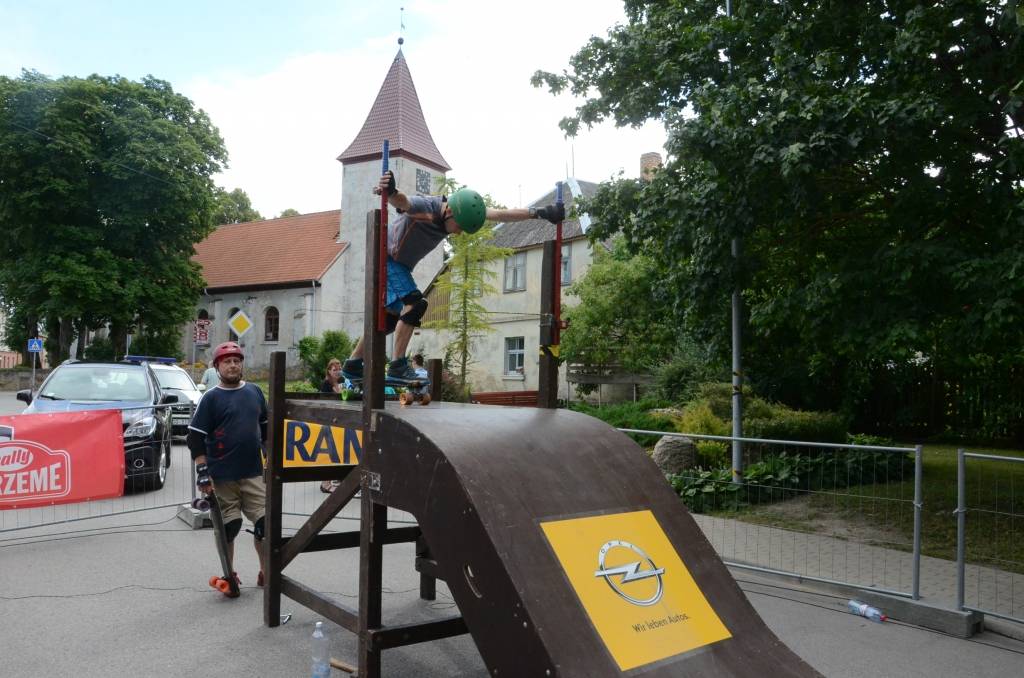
pixel 468 209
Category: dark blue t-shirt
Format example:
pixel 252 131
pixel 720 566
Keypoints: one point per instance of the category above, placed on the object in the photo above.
pixel 232 419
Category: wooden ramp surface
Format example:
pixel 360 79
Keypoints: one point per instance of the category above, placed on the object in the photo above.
pixel 565 549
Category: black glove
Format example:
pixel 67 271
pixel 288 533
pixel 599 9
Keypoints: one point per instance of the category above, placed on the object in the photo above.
pixel 391 181
pixel 203 481
pixel 553 213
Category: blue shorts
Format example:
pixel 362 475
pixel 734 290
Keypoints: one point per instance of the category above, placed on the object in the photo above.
pixel 400 285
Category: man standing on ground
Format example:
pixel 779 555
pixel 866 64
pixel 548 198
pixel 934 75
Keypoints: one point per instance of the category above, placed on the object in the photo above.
pixel 423 223
pixel 226 439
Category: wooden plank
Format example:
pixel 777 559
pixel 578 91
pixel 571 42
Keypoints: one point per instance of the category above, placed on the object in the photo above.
pixel 547 379
pixel 371 559
pixel 346 540
pixel 330 413
pixel 274 493
pixel 373 340
pixel 410 634
pixel 341 615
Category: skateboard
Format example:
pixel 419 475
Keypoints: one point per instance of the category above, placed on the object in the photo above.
pixel 404 391
pixel 226 583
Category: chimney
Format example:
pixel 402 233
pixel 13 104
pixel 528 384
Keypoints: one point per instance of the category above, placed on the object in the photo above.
pixel 648 163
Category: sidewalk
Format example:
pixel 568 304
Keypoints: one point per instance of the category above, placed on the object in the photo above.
pixel 132 600
pixel 826 557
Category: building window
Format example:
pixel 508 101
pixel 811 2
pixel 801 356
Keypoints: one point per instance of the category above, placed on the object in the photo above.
pixel 514 352
pixel 231 333
pixel 566 264
pixel 271 324
pixel 422 182
pixel 203 315
pixel 515 272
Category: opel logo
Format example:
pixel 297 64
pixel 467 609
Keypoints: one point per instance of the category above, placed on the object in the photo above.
pixel 618 577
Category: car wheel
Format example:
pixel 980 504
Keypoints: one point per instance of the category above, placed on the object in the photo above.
pixel 163 463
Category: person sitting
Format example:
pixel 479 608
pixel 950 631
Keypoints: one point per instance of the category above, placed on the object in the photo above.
pixel 332 383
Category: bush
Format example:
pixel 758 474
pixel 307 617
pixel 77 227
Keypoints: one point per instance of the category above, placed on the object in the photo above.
pixel 631 415
pixel 680 378
pixel 100 349
pixel 316 352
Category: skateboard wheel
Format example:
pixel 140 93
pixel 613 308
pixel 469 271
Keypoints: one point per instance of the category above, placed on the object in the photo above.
pixel 201 504
pixel 425 400
pixel 213 581
pixel 405 398
pixel 223 585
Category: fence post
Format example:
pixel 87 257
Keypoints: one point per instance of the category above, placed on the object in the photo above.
pixel 961 525
pixel 918 501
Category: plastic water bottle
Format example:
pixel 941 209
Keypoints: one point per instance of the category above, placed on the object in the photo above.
pixel 321 653
pixel 865 610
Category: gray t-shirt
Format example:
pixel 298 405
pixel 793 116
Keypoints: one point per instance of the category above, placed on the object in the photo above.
pixel 408 240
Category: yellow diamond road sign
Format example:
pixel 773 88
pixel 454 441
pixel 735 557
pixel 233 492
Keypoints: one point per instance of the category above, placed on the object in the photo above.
pixel 240 323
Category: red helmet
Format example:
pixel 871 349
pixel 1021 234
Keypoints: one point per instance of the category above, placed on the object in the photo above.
pixel 228 348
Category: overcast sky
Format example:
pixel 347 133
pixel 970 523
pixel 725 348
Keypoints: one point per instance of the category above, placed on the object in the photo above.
pixel 290 84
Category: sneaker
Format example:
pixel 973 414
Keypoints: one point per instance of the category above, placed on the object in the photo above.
pixel 401 369
pixel 353 369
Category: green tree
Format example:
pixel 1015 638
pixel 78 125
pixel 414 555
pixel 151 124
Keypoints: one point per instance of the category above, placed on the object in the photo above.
pixel 868 155
pixel 316 352
pixel 105 187
pixel 622 316
pixel 289 213
pixel 234 207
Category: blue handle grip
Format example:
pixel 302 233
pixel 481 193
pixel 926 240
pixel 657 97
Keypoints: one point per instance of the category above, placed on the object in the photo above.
pixel 558 193
pixel 384 165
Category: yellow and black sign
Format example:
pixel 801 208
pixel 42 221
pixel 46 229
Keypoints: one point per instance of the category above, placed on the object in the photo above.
pixel 318 445
pixel 635 588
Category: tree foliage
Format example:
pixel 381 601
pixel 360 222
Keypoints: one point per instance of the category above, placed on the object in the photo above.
pixel 289 213
pixel 104 190
pixel 234 207
pixel 622 317
pixel 868 155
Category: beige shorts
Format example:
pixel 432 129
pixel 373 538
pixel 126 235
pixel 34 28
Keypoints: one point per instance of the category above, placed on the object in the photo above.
pixel 247 496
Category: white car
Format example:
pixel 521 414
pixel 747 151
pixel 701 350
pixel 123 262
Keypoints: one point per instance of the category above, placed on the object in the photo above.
pixel 175 380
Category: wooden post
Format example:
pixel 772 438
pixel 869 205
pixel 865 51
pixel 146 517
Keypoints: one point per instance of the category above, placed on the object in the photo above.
pixel 435 376
pixel 274 493
pixel 373 340
pixel 547 387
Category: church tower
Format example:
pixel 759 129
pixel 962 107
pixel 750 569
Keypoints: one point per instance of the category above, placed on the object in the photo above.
pixel 396 115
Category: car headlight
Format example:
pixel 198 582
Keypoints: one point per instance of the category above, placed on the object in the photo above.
pixel 143 428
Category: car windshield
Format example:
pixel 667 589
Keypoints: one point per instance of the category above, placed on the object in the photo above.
pixel 96 382
pixel 174 379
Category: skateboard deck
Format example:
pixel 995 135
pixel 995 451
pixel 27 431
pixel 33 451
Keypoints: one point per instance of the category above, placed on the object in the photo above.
pixel 226 583
pixel 404 391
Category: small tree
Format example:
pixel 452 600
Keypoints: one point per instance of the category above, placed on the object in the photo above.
pixel 316 352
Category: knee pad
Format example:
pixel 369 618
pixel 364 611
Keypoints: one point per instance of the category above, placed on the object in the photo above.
pixel 418 310
pixel 232 529
pixel 257 529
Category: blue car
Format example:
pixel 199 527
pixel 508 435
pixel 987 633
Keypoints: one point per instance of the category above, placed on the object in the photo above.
pixel 130 387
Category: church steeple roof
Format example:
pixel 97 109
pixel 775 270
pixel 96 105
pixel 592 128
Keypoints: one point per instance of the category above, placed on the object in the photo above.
pixel 396 116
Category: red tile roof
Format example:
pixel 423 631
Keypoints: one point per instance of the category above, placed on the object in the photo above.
pixel 271 252
pixel 396 116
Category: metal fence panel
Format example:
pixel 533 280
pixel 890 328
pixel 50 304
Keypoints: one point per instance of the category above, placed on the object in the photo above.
pixel 990 520
pixel 830 512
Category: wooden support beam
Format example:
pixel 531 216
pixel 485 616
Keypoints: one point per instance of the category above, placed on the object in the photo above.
pixel 547 381
pixel 341 615
pixel 371 560
pixel 274 493
pixel 346 540
pixel 410 634
pixel 321 516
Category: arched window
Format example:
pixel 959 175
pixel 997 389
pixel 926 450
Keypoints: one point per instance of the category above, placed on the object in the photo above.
pixel 231 333
pixel 203 315
pixel 271 324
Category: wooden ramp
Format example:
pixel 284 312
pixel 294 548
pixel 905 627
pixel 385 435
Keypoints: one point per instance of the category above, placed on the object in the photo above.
pixel 565 549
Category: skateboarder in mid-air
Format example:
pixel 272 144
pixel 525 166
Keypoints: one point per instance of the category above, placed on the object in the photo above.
pixel 422 223
pixel 226 438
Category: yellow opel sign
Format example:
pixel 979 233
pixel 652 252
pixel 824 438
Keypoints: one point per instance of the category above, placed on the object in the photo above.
pixel 308 444
pixel 640 597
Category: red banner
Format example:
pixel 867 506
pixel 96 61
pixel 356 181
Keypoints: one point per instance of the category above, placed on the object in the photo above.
pixel 60 458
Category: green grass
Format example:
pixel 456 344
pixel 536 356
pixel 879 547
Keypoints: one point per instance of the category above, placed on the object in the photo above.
pixel 995 509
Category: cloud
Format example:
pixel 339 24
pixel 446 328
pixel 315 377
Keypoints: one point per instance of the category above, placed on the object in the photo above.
pixel 471 67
